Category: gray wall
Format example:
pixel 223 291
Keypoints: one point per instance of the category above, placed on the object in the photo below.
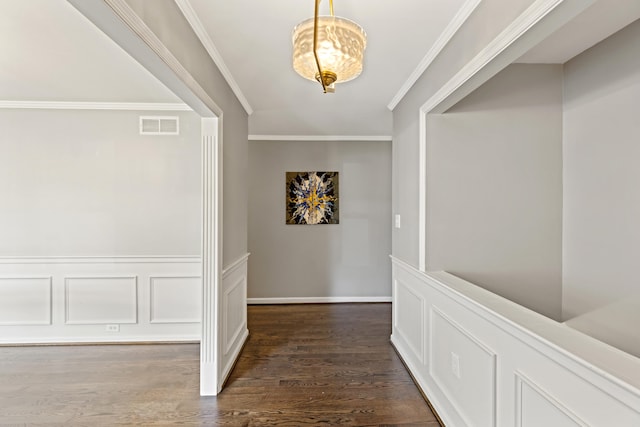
pixel 86 183
pixel 347 259
pixel 164 18
pixel 494 187
pixel 484 24
pixel 602 174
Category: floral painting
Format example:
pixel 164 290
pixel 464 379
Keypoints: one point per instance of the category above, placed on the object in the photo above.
pixel 312 198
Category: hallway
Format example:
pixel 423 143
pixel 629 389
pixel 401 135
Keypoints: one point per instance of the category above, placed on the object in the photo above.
pixel 313 364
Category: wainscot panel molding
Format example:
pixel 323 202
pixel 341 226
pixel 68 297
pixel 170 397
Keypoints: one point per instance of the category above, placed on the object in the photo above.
pixel 234 313
pixel 35 294
pixel 316 300
pixel 484 360
pixel 48 300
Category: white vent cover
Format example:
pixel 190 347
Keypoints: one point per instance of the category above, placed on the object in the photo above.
pixel 159 125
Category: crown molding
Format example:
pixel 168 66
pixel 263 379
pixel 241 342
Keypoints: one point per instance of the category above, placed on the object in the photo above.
pixel 320 138
pixel 192 18
pixel 450 30
pixel 530 17
pixel 63 105
pixel 121 23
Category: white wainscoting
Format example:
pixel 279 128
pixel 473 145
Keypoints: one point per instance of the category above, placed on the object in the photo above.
pixel 75 299
pixel 485 361
pixel 234 313
pixel 25 300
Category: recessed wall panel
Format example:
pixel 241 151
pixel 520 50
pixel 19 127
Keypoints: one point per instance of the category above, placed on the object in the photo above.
pixel 176 299
pixel 99 300
pixel 25 300
pixel 234 309
pixel 464 369
pixel 409 320
pixel 537 408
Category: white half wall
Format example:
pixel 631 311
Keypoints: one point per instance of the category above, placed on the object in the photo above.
pixel 485 361
pixel 299 262
pixel 82 299
pixel 233 320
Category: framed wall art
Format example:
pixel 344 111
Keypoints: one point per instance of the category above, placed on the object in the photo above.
pixel 312 198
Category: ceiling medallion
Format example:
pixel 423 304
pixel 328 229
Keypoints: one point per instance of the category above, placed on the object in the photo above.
pixel 328 49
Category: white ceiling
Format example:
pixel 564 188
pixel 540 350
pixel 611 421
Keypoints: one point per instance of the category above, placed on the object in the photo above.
pixel 50 52
pixel 254 40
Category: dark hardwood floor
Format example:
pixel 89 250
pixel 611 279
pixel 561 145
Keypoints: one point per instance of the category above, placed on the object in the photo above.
pixel 319 364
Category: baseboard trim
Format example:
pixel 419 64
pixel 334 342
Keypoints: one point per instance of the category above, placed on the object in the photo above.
pixel 315 300
pixel 416 382
pixel 168 339
pixel 235 357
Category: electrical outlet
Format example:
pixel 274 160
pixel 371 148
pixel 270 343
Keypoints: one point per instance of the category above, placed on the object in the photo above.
pixel 455 365
pixel 397 221
pixel 112 328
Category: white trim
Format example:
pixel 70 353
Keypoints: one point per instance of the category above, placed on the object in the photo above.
pixel 422 193
pixel 211 268
pixel 104 340
pixel 522 379
pixel 64 105
pixel 450 30
pixel 231 358
pixel 316 300
pixel 500 312
pixel 198 28
pixel 134 23
pixel 50 296
pixel 227 343
pixel 142 259
pixel 320 138
pixel 396 324
pixel 435 311
pixel 537 11
pixel 152 290
pixel 67 306
pixel 421 383
pixel 234 265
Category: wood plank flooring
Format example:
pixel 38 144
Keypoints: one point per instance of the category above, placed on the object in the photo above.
pixel 325 364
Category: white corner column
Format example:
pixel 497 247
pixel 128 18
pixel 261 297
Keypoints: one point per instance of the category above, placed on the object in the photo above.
pixel 211 257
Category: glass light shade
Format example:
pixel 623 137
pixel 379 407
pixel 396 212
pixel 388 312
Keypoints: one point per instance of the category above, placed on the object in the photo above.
pixel 341 45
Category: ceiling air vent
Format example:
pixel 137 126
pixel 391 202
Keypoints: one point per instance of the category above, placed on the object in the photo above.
pixel 159 125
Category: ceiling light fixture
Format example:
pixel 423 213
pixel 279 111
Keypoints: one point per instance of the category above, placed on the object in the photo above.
pixel 328 49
